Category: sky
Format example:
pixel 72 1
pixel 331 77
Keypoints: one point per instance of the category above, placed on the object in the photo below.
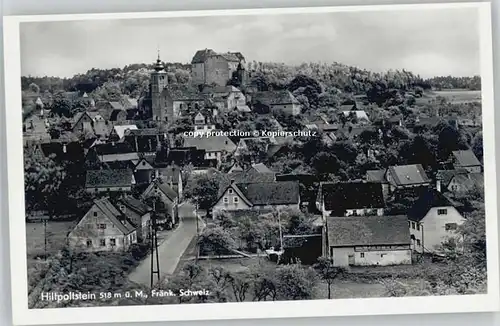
pixel 437 42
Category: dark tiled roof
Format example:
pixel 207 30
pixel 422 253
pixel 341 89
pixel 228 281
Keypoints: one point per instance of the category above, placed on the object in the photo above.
pixel 408 174
pixel 368 231
pixel 113 148
pixel 270 193
pixel 71 151
pixel 108 178
pixel 202 55
pixel 428 199
pixel 470 180
pixel 261 168
pixel 375 175
pixel 466 158
pixel 446 175
pixel 114 215
pixel 211 144
pixel 274 98
pixel 166 189
pixel 135 204
pixel 143 132
pixel 352 195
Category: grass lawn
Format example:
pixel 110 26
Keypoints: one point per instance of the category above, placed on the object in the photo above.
pixel 452 96
pixel 56 237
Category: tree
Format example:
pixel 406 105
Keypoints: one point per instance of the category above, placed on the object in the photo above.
pixel 42 180
pixel 240 284
pixel 61 105
pixel 204 190
pixel 252 233
pixel 328 272
pixel 295 282
pixel 216 241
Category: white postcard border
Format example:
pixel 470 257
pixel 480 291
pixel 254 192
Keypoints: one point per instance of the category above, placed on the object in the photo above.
pixel 252 310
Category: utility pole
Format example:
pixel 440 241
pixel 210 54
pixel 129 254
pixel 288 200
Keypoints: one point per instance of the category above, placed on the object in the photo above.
pixel 197 230
pixel 280 235
pixel 154 245
pixel 45 238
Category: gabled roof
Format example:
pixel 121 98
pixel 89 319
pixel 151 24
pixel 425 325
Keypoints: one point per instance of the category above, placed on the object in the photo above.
pixel 210 144
pixel 108 178
pixel 360 114
pixel 445 176
pixel 112 148
pixel 164 187
pixel 261 168
pixel 114 215
pixel 470 180
pixel 121 129
pixel 116 105
pixel 466 158
pixel 428 199
pixel 375 175
pixel 278 97
pixel 352 195
pixel 72 151
pixel 368 231
pixel 408 174
pixel 270 193
pixel 135 204
pixel 143 132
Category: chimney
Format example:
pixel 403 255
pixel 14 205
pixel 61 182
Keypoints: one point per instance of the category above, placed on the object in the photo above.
pixel 64 148
pixel 113 143
pixel 438 185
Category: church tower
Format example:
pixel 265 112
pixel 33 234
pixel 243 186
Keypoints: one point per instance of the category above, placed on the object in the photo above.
pixel 241 76
pixel 158 83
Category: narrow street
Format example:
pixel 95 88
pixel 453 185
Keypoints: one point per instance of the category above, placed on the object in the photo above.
pixel 170 250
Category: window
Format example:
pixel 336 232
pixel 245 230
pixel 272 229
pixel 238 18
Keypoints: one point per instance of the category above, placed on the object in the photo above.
pixel 112 242
pixel 102 242
pixel 450 226
pixel 108 189
pixel 418 242
pixel 362 255
pixel 382 255
pixel 95 213
pixel 236 200
pixel 101 226
pixel 89 243
pixel 230 191
pixel 413 225
pixel 418 227
pixel 442 211
pixel 226 200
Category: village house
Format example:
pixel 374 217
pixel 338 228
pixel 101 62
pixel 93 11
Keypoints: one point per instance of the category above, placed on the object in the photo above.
pixel 406 176
pixel 466 159
pixel 144 171
pixel 351 199
pixel 215 147
pixel 443 178
pixel 111 152
pixel 119 131
pixel 368 240
pixel 258 196
pixel 202 124
pixel 103 228
pixel 106 181
pixel 168 198
pixel 172 175
pixel 209 67
pixel 138 213
pixel 146 141
pixel 268 101
pixel 466 182
pixel 359 116
pixel 432 220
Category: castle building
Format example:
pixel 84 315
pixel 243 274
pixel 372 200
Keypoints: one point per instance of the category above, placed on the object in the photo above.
pixel 209 67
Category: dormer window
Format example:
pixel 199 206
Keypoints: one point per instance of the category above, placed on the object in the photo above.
pixel 230 191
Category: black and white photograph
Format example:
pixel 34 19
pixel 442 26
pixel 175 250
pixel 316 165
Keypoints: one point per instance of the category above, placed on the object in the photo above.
pixel 255 158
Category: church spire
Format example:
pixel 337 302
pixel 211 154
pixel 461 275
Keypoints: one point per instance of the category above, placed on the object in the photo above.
pixel 158 65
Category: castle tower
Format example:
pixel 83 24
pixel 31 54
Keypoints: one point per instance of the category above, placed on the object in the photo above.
pixel 241 75
pixel 158 83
